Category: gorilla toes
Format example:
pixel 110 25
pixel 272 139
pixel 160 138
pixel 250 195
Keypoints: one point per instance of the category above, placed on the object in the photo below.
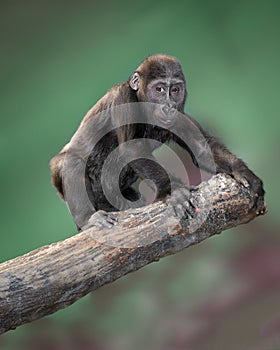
pixel 181 203
pixel 101 219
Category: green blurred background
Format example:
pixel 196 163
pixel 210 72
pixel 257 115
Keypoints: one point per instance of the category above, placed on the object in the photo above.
pixel 57 59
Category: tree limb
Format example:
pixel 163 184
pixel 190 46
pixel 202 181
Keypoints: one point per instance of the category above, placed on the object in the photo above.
pixel 55 276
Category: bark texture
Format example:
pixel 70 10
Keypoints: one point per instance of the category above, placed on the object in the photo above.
pixel 52 277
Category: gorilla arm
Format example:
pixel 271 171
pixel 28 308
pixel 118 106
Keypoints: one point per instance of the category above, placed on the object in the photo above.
pixel 68 167
pixel 225 162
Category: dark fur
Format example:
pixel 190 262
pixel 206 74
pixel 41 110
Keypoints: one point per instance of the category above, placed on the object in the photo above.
pixel 154 67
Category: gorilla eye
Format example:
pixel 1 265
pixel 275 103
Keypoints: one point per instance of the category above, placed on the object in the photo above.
pixel 159 89
pixel 175 90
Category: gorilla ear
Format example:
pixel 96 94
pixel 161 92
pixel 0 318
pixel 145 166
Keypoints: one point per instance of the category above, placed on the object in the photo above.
pixel 134 81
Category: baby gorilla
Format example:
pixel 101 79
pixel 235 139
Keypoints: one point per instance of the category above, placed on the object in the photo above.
pixel 160 82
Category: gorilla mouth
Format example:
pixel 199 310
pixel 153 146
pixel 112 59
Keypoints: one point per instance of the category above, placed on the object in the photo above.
pixel 168 115
pixel 167 121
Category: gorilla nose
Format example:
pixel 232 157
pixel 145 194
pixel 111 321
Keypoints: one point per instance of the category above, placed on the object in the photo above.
pixel 168 109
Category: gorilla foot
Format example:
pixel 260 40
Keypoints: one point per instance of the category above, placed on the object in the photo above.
pixel 101 219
